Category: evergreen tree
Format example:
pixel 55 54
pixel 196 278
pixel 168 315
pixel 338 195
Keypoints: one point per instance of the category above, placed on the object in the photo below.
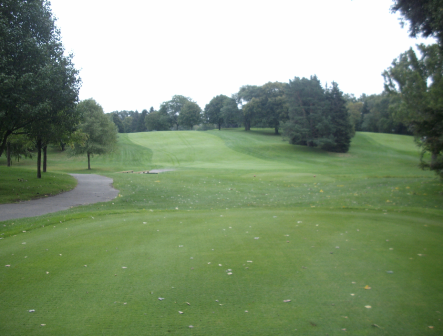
pixel 141 127
pixel 340 121
pixel 309 123
pixel 118 122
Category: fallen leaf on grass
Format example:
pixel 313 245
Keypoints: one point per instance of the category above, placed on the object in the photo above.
pixel 180 312
pixel 368 307
pixel 286 300
pixel 367 287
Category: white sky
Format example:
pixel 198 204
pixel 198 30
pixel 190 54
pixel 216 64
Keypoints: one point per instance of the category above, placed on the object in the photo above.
pixel 135 54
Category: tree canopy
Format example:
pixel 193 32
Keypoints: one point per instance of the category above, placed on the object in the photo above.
pixel 213 113
pixel 417 82
pixel 317 117
pixel 37 81
pixel 100 133
pixel 190 114
pixel 425 17
pixel 173 107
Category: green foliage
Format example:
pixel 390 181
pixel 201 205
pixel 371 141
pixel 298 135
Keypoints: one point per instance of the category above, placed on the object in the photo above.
pixel 190 115
pixel 129 121
pixel 118 122
pixel 212 111
pixel 417 83
pixel 355 112
pixel 38 83
pixel 173 107
pixel 425 17
pixel 100 132
pixel 268 106
pixel 18 147
pixel 244 96
pixel 157 121
pixel 342 130
pixel 317 117
pixel 308 124
pixel 231 113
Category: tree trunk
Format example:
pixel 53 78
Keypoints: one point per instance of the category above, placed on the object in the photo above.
pixel 39 158
pixel 276 131
pixel 4 140
pixel 219 126
pixel 44 158
pixel 89 161
pixel 8 154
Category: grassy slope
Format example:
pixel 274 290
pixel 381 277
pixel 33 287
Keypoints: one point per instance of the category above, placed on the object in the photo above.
pixel 381 212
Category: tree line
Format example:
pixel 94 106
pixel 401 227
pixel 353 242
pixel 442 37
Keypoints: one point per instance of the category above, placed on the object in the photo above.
pixel 39 87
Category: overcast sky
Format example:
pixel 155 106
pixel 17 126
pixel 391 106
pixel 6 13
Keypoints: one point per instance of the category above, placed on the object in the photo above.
pixel 135 54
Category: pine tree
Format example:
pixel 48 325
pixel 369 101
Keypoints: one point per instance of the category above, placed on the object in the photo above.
pixel 340 121
pixel 308 123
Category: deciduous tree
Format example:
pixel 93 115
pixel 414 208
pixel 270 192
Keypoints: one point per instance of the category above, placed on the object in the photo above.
pixel 418 82
pixel 100 133
pixel 190 115
pixel 173 108
pixel 37 80
pixel 212 111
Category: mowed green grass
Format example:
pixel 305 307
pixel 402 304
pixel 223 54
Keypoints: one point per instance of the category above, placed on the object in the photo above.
pixel 289 223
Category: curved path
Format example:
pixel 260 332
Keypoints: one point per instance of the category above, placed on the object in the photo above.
pixel 90 189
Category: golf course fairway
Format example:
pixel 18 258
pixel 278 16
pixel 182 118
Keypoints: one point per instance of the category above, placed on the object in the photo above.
pixel 246 235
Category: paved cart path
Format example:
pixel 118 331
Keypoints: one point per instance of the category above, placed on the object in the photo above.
pixel 90 189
